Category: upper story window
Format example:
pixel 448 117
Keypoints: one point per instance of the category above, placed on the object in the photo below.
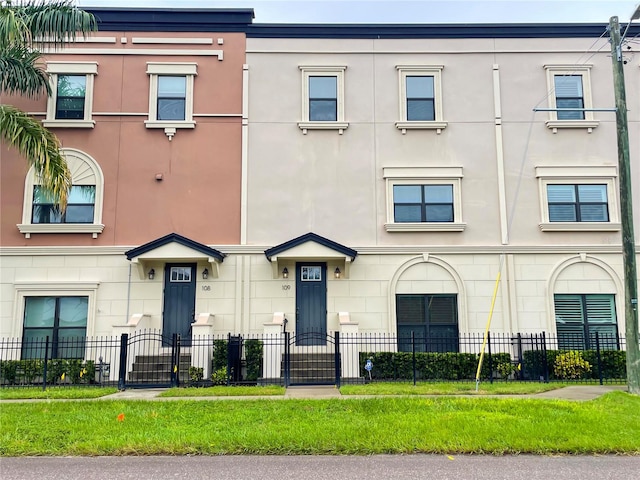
pixel 423 199
pixel 420 100
pixel 323 98
pixel 70 104
pixel 569 88
pixel 578 198
pixel 171 96
pixel 80 206
pixel 423 203
pixel 84 207
pixel 569 94
pixel 577 203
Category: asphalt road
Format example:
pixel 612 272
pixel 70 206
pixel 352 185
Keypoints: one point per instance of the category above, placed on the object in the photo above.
pixel 405 467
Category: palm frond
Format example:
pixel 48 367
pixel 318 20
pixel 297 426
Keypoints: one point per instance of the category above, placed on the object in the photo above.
pixel 55 22
pixel 40 147
pixel 21 73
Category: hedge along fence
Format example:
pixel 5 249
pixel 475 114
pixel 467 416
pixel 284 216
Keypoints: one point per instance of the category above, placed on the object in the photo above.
pixel 253 353
pixel 432 366
pixel 611 364
pixel 59 372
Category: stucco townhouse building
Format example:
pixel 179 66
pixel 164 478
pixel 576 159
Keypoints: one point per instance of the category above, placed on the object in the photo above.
pixel 249 179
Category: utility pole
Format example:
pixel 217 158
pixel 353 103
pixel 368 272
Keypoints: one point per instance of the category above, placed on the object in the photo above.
pixel 626 212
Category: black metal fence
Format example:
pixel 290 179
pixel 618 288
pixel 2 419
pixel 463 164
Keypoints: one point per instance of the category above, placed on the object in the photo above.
pixel 148 358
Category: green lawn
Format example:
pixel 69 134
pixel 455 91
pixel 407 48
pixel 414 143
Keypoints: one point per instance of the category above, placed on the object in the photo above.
pixel 346 426
pixel 24 393
pixel 449 388
pixel 223 391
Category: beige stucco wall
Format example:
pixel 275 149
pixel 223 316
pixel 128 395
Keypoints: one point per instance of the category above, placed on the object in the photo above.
pixel 332 184
pixel 524 300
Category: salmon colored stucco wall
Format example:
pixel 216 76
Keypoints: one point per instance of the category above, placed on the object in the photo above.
pixel 199 194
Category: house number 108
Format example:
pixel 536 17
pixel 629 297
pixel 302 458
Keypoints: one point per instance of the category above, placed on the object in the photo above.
pixel 206 288
pixel 286 287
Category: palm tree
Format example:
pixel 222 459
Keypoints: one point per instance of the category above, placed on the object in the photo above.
pixel 26 26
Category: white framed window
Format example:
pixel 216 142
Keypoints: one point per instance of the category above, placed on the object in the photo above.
pixel 84 209
pixel 569 86
pixel 54 308
pixel 322 98
pixel 423 199
pixel 311 274
pixel 180 274
pixel 420 97
pixel 578 198
pixel 71 102
pixel 579 318
pixel 171 96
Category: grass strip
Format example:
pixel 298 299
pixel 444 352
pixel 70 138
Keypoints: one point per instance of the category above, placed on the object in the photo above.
pixel 27 393
pixel 396 425
pixel 224 391
pixel 450 388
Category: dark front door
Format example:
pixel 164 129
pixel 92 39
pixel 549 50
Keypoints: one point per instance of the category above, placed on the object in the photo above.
pixel 311 303
pixel 179 300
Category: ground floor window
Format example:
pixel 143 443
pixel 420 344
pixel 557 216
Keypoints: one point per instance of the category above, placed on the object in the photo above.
pixel 580 317
pixel 432 319
pixel 62 319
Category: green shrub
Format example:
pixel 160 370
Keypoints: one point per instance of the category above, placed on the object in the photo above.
pixel 571 366
pixel 9 371
pixel 196 374
pixel 55 369
pixel 219 377
pixel 506 369
pixel 612 362
pixel 253 355
pixel 429 365
pixel 220 352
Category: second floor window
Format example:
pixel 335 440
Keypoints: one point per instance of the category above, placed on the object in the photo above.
pixel 80 206
pixel 577 203
pixel 423 203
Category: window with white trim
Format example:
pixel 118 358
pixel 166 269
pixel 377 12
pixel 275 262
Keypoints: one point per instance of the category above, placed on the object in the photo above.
pixel 63 311
pixel 420 88
pixel 423 199
pixel 171 95
pixel 578 198
pixel 428 323
pixel 59 323
pixel 569 86
pixel 71 101
pixel 323 98
pixel 40 214
pixel 579 318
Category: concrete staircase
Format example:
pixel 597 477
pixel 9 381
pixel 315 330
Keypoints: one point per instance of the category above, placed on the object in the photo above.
pixel 312 368
pixel 156 369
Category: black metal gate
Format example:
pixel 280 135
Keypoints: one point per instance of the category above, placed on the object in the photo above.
pixel 145 362
pixel 315 363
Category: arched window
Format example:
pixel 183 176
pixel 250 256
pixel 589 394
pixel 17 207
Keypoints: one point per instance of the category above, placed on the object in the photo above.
pixel 84 208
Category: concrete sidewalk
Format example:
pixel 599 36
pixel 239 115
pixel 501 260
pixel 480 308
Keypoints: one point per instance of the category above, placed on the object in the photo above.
pixel 575 393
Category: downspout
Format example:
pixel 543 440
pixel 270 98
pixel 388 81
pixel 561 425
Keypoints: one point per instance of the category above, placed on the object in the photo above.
pixel 128 294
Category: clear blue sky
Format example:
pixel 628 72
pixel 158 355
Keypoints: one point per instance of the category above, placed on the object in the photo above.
pixel 407 11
